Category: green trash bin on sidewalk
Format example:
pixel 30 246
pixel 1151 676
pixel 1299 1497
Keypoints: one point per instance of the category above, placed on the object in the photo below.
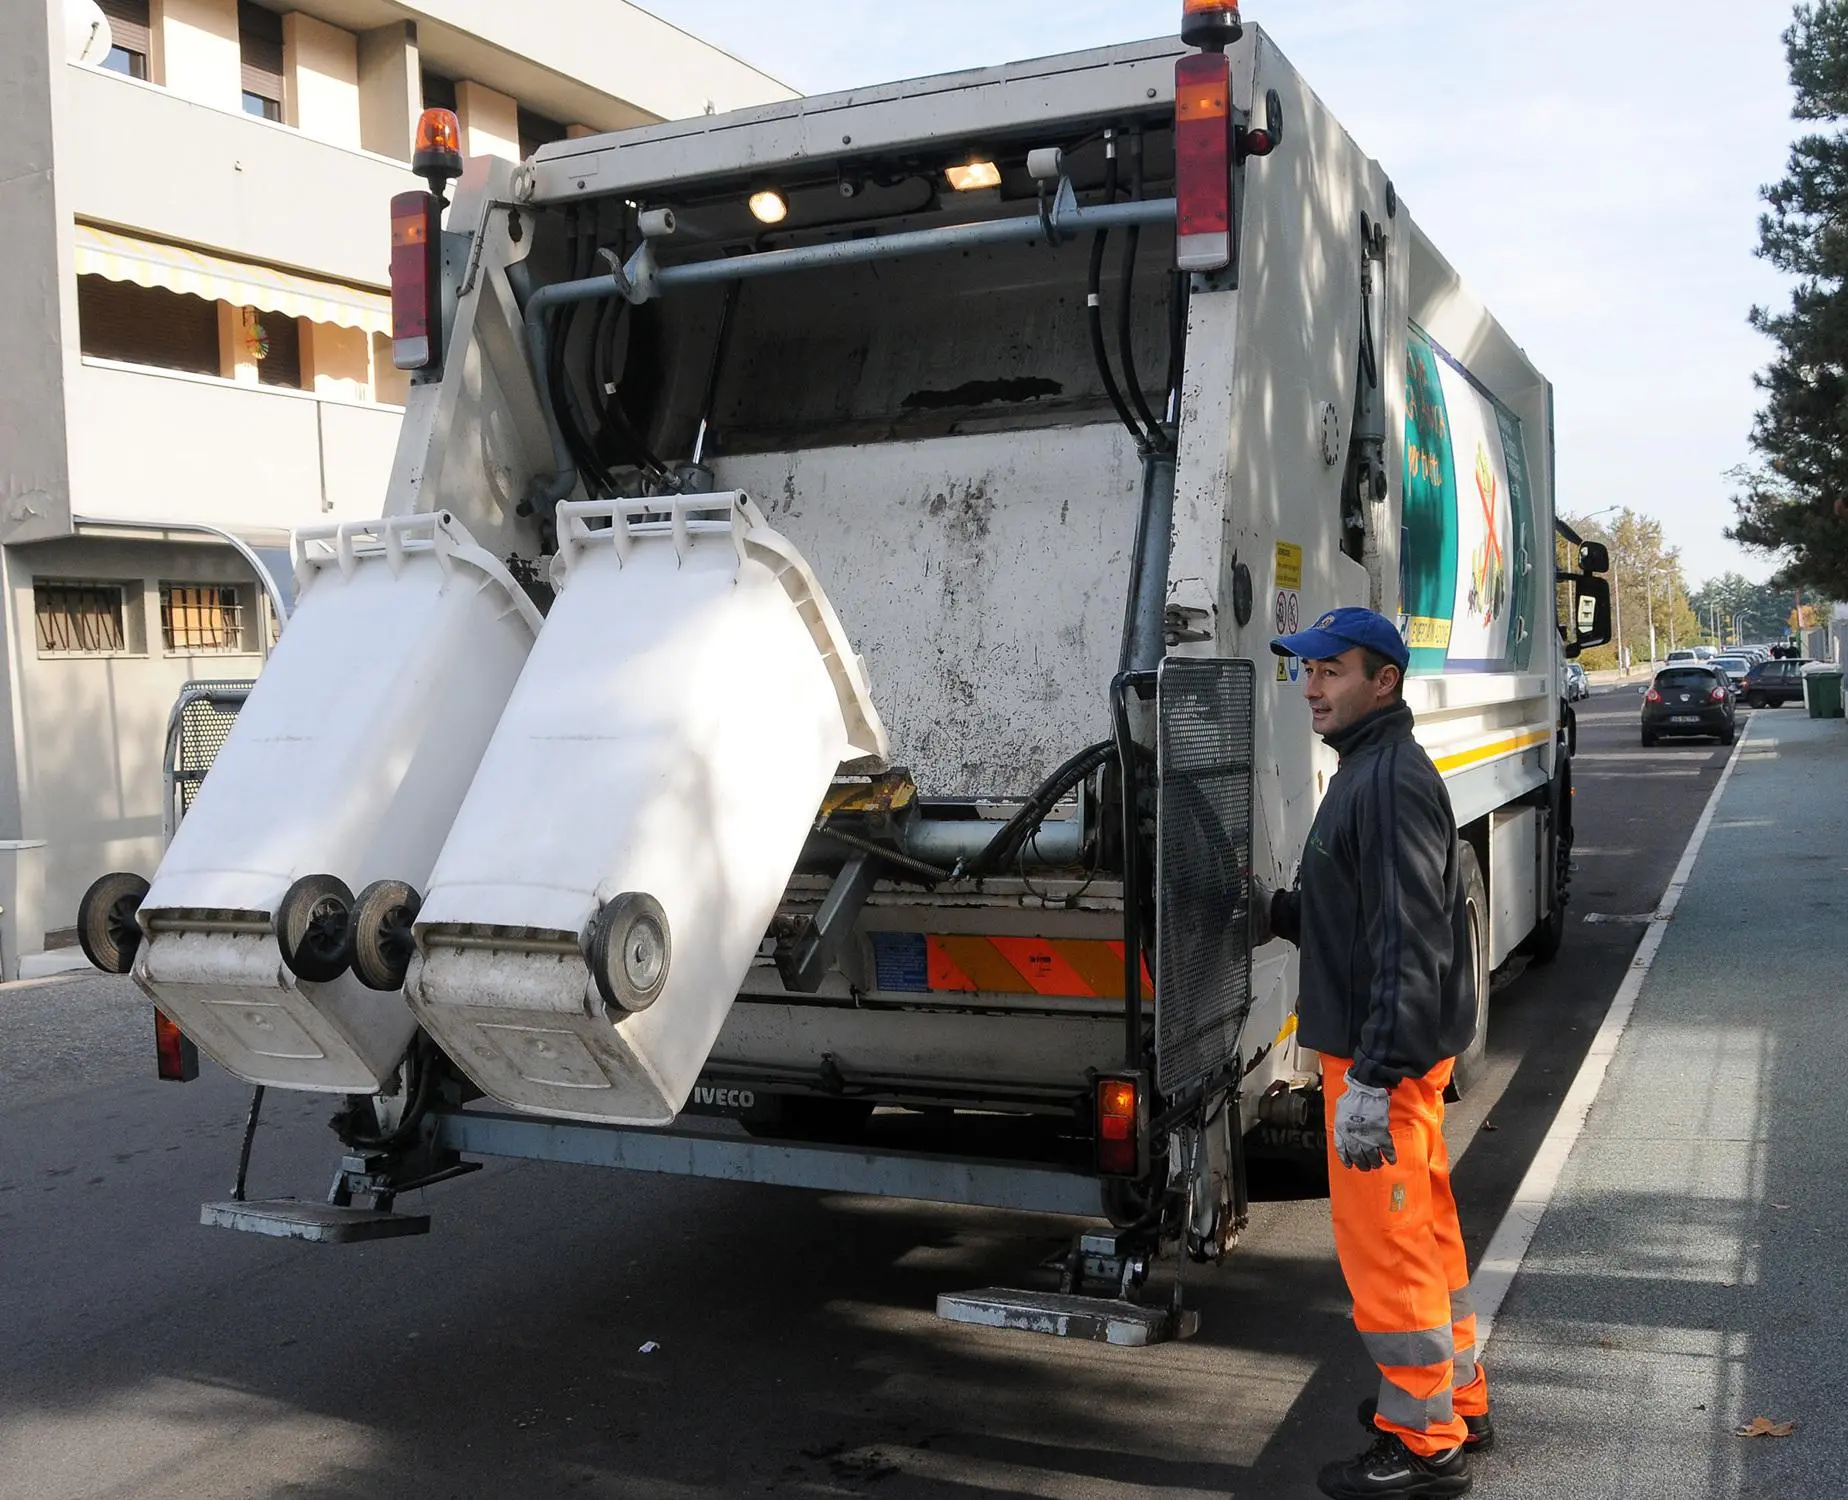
pixel 1822 691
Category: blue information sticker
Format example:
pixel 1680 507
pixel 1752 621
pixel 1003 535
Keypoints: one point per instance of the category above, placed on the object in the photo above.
pixel 901 963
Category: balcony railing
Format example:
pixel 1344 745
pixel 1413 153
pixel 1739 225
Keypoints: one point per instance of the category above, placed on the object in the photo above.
pixel 160 445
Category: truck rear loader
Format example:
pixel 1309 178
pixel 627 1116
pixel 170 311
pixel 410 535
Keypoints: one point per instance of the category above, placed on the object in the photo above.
pixel 813 663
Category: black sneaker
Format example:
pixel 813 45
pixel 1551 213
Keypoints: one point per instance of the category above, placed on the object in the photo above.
pixel 1481 1436
pixel 1391 1468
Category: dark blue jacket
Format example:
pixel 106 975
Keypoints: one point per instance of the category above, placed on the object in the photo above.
pixel 1379 911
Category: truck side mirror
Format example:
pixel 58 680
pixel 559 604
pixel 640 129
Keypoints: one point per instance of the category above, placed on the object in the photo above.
pixel 1594 557
pixel 1591 614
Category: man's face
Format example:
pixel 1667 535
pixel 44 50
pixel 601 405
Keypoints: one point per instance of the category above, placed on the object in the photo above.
pixel 1340 693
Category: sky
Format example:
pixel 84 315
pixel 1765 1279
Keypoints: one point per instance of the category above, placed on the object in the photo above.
pixel 1591 169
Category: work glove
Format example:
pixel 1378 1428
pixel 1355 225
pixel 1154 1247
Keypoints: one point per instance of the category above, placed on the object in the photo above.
pixel 1261 929
pixel 1362 1139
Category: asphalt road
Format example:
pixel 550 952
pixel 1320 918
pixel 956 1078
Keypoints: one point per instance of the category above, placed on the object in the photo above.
pixel 796 1351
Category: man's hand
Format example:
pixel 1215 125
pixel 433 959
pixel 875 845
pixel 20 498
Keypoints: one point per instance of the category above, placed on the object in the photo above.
pixel 1362 1139
pixel 1261 898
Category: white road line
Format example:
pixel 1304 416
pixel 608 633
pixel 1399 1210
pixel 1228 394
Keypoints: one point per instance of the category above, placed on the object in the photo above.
pixel 1507 1248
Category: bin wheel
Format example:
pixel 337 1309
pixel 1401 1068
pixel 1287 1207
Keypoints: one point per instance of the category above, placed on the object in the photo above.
pixel 382 940
pixel 314 928
pixel 106 926
pixel 631 948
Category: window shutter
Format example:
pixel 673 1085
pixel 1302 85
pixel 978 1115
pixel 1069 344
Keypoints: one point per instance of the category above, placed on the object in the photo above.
pixel 142 325
pixel 128 24
pixel 259 40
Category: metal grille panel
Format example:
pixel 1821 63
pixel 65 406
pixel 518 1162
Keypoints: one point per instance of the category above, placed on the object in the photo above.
pixel 1204 753
pixel 205 724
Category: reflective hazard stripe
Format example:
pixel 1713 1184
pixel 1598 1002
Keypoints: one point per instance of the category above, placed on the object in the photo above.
pixel 1073 967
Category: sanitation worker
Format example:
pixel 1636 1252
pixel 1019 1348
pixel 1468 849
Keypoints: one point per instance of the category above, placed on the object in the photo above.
pixel 1388 998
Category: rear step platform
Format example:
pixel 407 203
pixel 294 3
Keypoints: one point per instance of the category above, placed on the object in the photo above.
pixel 323 1223
pixel 1103 1320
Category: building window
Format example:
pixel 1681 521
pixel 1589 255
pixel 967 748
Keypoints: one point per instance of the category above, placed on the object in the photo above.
pixel 128 30
pixel 438 92
pixel 80 619
pixel 146 325
pixel 536 131
pixel 275 341
pixel 202 618
pixel 259 40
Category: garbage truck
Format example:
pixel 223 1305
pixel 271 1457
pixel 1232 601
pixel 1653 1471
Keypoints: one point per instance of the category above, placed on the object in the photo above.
pixel 812 666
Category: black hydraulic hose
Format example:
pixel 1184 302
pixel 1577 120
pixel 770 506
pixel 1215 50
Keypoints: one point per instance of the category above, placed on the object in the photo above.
pixel 1094 305
pixel 1095 312
pixel 1014 834
pixel 422 1089
pixel 1126 354
pixel 616 412
pixel 1180 291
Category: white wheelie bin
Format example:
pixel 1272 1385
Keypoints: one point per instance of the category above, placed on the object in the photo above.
pixel 617 862
pixel 342 774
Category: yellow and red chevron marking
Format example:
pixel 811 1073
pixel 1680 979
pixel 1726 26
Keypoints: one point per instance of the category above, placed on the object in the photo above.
pixel 1082 967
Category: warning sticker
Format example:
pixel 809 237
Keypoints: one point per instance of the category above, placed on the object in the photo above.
pixel 1289 565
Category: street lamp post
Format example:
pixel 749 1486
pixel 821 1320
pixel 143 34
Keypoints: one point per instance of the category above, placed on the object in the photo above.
pixel 1649 587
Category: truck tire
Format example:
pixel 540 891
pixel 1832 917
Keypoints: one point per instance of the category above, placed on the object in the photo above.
pixel 1543 943
pixel 1472 1060
pixel 106 927
pixel 382 941
pixel 314 928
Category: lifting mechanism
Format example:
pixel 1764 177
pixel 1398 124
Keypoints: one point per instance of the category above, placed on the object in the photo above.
pixel 472 975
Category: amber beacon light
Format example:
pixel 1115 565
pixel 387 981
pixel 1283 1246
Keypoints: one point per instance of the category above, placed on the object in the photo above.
pixel 436 150
pixel 1211 25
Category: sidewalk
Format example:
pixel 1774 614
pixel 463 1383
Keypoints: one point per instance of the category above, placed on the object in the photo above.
pixel 1691 1271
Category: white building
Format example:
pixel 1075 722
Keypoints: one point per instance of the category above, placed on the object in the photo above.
pixel 197 336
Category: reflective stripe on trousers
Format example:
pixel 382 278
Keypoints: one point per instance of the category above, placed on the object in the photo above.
pixel 1401 1251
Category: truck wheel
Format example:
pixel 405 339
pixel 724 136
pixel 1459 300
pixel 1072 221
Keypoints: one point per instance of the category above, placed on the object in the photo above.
pixel 631 948
pixel 314 929
pixel 382 941
pixel 106 927
pixel 1472 1060
pixel 1543 943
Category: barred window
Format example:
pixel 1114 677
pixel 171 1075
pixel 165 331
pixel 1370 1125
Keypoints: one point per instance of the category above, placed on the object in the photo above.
pixel 201 618
pixel 80 619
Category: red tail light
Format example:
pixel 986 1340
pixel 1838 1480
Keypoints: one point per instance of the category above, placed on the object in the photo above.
pixel 1652 696
pixel 175 1058
pixel 416 281
pixel 1121 1137
pixel 1203 162
pixel 1718 695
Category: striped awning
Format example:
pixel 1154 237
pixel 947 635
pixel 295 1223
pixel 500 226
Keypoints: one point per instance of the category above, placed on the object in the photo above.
pixel 122 257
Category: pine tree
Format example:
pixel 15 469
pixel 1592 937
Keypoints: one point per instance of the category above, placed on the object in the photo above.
pixel 1795 502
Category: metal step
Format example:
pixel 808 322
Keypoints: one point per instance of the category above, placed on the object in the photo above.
pixel 1103 1320
pixel 324 1223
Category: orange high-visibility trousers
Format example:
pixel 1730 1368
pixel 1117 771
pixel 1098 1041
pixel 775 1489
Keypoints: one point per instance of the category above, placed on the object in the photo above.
pixel 1401 1251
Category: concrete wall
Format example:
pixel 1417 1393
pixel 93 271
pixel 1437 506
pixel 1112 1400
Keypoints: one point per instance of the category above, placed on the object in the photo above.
pixel 196 52
pixel 94 728
pixel 259 191
pixel 390 89
pixel 40 330
pixel 606 46
pixel 320 79
pixel 170 446
pixel 490 121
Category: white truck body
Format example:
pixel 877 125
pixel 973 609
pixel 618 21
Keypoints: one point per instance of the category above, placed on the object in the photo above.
pixel 923 425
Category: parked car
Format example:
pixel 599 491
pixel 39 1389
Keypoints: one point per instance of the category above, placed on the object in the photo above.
pixel 1688 700
pixel 1735 667
pixel 1578 685
pixel 1772 683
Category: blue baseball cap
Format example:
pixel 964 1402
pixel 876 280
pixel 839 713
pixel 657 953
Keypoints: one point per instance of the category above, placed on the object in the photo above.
pixel 1342 629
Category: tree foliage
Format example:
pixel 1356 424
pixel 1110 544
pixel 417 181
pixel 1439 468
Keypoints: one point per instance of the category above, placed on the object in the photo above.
pixel 1646 586
pixel 1794 502
pixel 1749 612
